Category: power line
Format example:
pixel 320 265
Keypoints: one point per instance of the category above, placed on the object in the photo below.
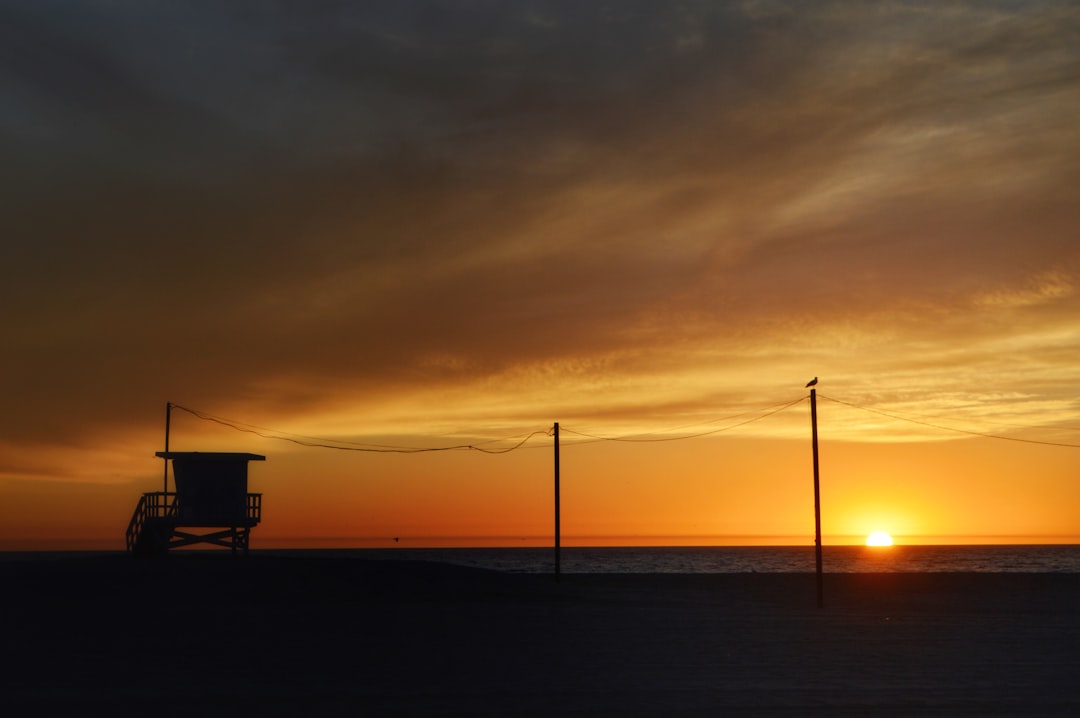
pixel 949 428
pixel 341 445
pixel 632 439
pixel 1010 425
pixel 545 432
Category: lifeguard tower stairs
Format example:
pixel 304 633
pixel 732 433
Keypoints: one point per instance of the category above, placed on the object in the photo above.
pixel 211 505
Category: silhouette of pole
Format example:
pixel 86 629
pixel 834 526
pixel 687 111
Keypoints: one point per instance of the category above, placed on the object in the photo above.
pixel 168 419
pixel 558 529
pixel 817 497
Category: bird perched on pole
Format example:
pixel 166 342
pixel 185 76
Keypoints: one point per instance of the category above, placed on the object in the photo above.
pixel 812 382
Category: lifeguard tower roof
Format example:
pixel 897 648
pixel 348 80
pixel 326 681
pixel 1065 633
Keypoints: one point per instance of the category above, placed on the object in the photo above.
pixel 209 456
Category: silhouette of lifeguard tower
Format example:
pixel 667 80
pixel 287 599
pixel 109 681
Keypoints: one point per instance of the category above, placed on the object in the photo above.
pixel 211 505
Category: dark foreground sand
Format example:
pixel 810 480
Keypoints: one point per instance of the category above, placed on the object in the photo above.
pixel 330 636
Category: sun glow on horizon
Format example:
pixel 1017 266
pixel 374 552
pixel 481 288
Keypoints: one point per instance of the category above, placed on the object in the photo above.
pixel 879 538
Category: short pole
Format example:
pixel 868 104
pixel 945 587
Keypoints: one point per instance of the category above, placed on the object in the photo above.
pixel 557 502
pixel 558 529
pixel 817 499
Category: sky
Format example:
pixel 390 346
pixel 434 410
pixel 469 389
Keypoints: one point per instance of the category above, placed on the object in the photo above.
pixel 435 224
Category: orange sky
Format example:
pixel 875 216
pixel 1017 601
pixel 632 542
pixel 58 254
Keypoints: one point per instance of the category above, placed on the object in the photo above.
pixel 444 223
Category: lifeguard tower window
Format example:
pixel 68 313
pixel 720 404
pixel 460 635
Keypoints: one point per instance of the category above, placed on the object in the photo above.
pixel 211 491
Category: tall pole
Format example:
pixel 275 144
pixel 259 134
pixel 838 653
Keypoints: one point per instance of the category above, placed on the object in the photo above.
pixel 168 418
pixel 817 498
pixel 558 567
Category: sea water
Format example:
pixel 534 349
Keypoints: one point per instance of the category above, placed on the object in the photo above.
pixel 1017 558
pixel 753 559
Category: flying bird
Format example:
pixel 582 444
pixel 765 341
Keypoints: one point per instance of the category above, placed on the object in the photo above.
pixel 812 382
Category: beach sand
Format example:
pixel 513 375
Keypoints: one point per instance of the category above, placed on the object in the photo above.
pixel 321 635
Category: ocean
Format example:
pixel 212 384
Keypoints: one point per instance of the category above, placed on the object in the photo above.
pixel 745 559
pixel 1016 558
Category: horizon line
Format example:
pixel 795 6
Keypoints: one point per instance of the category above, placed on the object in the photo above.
pixel 582 541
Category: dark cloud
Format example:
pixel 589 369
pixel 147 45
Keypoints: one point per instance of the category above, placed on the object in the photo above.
pixel 355 200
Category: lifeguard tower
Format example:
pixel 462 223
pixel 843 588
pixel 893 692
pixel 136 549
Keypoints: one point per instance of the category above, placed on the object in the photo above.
pixel 211 505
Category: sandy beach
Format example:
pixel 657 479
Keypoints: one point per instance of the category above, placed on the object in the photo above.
pixel 323 635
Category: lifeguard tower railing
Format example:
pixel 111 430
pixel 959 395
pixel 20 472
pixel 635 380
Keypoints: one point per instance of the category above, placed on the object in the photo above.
pixel 211 496
pixel 157 514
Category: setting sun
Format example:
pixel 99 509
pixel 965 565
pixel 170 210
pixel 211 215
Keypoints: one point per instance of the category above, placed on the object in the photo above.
pixel 879 538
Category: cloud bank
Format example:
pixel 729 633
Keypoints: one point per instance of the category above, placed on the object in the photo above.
pixel 629 213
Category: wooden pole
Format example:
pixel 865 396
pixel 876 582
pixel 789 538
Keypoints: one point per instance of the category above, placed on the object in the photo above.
pixel 168 419
pixel 817 499
pixel 558 529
